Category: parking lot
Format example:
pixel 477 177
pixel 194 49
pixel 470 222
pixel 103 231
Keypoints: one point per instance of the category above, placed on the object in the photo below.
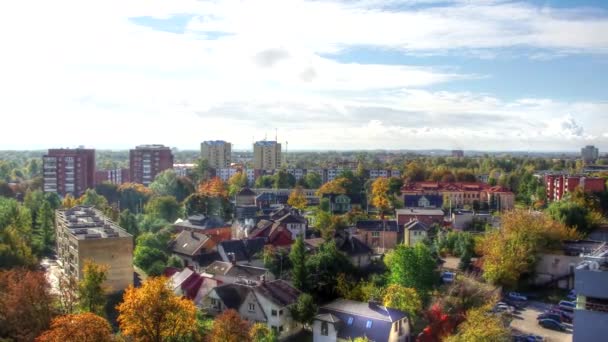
pixel 524 321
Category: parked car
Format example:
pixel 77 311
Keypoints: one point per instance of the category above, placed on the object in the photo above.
pixel 516 296
pixel 565 315
pixel 571 295
pixel 566 305
pixel 550 315
pixel 503 308
pixel 518 304
pixel 448 277
pixel 528 338
pixel 552 324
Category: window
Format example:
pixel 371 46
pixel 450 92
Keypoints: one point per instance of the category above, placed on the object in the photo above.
pixel 324 329
pixel 281 329
pixel 350 321
pixel 215 303
pixel 368 325
pixel 273 312
pixel 375 234
pixel 251 307
pixel 280 312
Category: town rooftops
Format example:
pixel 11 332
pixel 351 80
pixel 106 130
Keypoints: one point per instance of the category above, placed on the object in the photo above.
pixel 378 225
pixel 85 222
pixel 246 192
pixel 152 147
pixel 277 291
pixel 419 211
pixel 242 250
pixel 189 243
pixel 236 271
pixel 214 142
pixel 201 222
pixel 415 225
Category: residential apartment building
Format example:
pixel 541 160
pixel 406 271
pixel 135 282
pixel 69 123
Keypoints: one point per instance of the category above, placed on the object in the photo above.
pixel 114 176
pixel 591 287
pixel 558 186
pixel 183 170
pixel 589 154
pixel 217 152
pixel 379 173
pixel 68 171
pixel 266 155
pixel 84 233
pixel 147 161
pixel 459 194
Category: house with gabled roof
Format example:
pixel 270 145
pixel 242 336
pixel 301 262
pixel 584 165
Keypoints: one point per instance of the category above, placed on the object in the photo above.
pixel 379 235
pixel 345 320
pixel 189 245
pixel 414 231
pixel 227 272
pixel 264 301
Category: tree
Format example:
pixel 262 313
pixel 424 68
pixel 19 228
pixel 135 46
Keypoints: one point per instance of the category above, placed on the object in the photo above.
pixel 264 181
pixel 282 180
pixel 229 327
pixel 165 183
pixel 128 222
pixel 304 309
pixel 297 256
pixel 297 199
pixel 214 187
pixel 334 187
pixel 313 180
pixel 480 325
pixel 380 195
pixel 200 172
pixel 45 229
pixel 412 267
pixel 5 190
pixel 323 266
pixel 91 289
pixel 108 190
pixel 68 293
pixel 69 202
pixel 164 207
pixel 154 313
pixel 86 327
pixel 145 258
pixel 402 298
pixel 90 197
pixel 26 304
pixel 133 196
pixel 512 250
pixel 237 182
pixel 575 215
pixel 260 332
pixel 15 235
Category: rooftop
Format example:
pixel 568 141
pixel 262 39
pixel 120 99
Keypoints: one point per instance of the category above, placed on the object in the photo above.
pixel 419 211
pixel 215 142
pixel 85 222
pixel 265 143
pixel 364 309
pixel 152 147
pixel 378 225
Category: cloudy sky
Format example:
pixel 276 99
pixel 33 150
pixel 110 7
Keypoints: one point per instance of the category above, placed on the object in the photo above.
pixel 389 74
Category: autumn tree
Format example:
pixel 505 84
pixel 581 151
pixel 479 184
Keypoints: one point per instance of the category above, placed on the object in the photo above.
pixel 482 325
pixel 26 304
pixel 229 327
pixel 154 313
pixel 214 187
pixel 512 250
pixel 133 196
pixel 297 256
pixel 91 289
pixel 260 332
pixel 297 198
pixel 380 198
pixel 237 182
pixel 68 293
pixel 335 187
pixel 69 202
pixel 402 298
pixel 85 327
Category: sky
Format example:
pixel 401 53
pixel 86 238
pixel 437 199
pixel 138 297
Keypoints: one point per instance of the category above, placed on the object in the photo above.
pixel 327 75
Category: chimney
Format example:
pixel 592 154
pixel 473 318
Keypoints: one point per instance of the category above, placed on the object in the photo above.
pixel 232 258
pixel 372 304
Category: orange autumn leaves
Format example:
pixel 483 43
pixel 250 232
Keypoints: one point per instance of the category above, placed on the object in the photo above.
pixel 214 187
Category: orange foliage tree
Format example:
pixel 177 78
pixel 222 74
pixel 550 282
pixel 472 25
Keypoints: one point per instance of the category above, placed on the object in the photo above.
pixel 26 304
pixel 297 198
pixel 214 187
pixel 154 313
pixel 335 187
pixel 80 327
pixel 229 327
pixel 380 195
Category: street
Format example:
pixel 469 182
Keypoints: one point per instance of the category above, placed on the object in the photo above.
pixel 524 321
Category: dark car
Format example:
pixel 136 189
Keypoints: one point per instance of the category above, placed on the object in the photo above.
pixel 528 338
pixel 550 315
pixel 552 324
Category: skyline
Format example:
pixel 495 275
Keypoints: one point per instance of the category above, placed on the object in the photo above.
pixel 350 75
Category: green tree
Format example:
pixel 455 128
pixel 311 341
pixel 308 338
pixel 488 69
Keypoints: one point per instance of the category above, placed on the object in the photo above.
pixel 313 180
pixel 128 222
pixel 575 215
pixel 297 256
pixel 412 267
pixel 260 332
pixel 45 229
pixel 91 289
pixel 282 180
pixel 164 207
pixel 15 235
pixel 323 266
pixel 237 182
pixel 92 198
pixel 304 309
pixel 145 258
pixel 264 182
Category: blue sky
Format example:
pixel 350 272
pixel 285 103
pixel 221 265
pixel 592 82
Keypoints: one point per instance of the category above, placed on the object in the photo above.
pixel 369 74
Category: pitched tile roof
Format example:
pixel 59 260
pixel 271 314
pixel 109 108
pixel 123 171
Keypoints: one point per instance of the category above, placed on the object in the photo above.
pixel 232 295
pixel 278 291
pixel 189 243
pixel 378 225
pixel 420 211
pixel 244 250
pixel 415 225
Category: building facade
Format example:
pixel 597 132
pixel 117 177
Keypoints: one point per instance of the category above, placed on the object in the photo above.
pixel 217 152
pixel 114 176
pixel 84 233
pixel 266 155
pixel 460 194
pixel 147 161
pixel 559 186
pixel 589 154
pixel 69 171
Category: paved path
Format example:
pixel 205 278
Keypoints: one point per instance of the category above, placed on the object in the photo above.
pixel 525 321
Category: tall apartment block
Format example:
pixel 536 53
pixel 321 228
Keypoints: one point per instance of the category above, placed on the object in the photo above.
pixel 589 153
pixel 591 286
pixel 217 152
pixel 266 155
pixel 147 161
pixel 69 171
pixel 84 233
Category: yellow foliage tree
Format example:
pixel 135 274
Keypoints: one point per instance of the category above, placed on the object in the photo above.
pixel 81 327
pixel 69 202
pixel 154 313
pixel 512 250
pixel 237 182
pixel 402 298
pixel 297 199
pixel 334 187
pixel 481 326
pixel 380 195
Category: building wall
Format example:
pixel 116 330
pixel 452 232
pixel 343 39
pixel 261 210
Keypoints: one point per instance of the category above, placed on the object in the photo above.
pixel 68 171
pixel 413 237
pixel 551 266
pixel 589 325
pixel 117 253
pixel 266 155
pixel 387 239
pixel 290 327
pixel 148 161
pixel 217 153
pixel 426 219
pixel 332 334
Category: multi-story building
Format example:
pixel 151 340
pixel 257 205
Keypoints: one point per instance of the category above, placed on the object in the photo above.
pixel 459 194
pixel 297 173
pixel 84 233
pixel 217 152
pixel 559 186
pixel 589 154
pixel 377 173
pixel 266 155
pixel 69 171
pixel 147 161
pixel 114 176
pixel 183 170
pixel 591 288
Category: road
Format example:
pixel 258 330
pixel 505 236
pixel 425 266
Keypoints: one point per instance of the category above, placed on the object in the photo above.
pixel 524 321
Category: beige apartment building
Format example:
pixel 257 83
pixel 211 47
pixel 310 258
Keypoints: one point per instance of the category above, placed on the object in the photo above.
pixel 217 152
pixel 266 155
pixel 84 233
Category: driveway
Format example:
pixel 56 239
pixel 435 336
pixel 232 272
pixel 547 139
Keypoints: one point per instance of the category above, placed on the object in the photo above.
pixel 524 321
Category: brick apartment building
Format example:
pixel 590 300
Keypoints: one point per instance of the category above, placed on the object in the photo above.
pixel 114 176
pixel 147 161
pixel 68 171
pixel 557 186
